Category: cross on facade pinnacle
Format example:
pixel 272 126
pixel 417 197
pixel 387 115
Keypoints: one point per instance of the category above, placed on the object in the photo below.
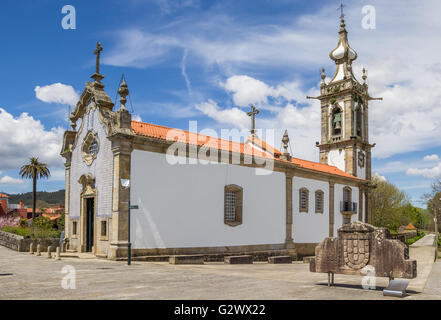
pixel 97 52
pixel 97 76
pixel 252 114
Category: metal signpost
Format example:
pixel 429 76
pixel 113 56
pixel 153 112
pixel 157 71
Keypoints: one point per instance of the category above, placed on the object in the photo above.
pixel 435 219
pixel 125 183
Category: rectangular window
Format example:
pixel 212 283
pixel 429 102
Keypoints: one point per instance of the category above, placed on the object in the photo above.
pixel 230 206
pixel 319 202
pixel 233 200
pixel 303 200
pixel 74 228
pixel 103 228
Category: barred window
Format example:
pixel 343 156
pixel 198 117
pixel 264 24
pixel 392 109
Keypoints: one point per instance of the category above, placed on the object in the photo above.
pixel 74 228
pixel 319 201
pixel 303 200
pixel 93 148
pixel 230 210
pixel 233 205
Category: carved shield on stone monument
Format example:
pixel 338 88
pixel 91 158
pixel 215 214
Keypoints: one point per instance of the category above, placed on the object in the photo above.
pixel 356 251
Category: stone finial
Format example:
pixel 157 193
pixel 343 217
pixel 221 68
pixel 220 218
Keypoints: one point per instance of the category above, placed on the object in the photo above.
pixel 123 91
pixel 323 75
pixel 364 77
pixel 285 141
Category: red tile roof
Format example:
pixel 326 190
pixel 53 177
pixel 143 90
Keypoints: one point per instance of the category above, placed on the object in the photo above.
pixel 410 226
pixel 51 217
pixel 170 134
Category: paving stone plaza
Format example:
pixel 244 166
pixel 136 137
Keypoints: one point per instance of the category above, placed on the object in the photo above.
pixel 25 276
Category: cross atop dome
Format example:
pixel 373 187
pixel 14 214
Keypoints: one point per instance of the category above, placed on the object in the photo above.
pixel 342 15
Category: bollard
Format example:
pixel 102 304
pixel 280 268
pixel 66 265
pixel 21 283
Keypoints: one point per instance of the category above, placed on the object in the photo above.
pixel 57 254
pixel 31 248
pixel 38 250
pixel 49 255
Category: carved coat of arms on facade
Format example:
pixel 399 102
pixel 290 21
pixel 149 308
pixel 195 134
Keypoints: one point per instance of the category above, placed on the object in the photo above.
pixel 356 251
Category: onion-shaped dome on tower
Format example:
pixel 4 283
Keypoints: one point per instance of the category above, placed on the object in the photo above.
pixel 343 55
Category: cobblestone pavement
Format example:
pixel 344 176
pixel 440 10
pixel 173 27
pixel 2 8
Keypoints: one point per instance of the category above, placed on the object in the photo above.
pixel 25 276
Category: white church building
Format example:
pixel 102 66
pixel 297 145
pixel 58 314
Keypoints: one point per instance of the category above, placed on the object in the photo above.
pixel 194 194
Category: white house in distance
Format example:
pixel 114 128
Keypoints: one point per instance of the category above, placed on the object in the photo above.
pixel 200 194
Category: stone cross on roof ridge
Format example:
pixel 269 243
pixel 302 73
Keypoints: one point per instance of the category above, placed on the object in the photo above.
pixel 252 114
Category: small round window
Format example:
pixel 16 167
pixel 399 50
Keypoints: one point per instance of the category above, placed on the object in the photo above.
pixel 90 147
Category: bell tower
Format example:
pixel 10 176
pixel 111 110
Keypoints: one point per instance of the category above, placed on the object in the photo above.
pixel 344 114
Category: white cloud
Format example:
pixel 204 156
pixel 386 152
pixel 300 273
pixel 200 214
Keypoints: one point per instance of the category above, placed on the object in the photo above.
pixel 232 116
pixel 379 177
pixel 434 172
pixel 136 117
pixel 247 90
pixel 433 157
pixel 10 180
pixel 23 137
pixel 57 93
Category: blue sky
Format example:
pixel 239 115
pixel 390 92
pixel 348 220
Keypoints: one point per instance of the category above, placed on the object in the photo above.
pixel 208 61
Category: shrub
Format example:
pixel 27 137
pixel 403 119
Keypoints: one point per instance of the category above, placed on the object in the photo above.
pixel 24 232
pixel 419 235
pixel 42 223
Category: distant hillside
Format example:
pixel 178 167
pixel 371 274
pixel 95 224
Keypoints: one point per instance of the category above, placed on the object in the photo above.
pixel 52 198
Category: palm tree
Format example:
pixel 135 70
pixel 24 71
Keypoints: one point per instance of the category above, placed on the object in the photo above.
pixel 34 170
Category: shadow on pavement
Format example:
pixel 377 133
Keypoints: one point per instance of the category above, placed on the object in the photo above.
pixel 356 286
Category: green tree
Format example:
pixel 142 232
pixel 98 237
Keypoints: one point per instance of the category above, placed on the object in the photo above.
pixel 387 204
pixel 34 170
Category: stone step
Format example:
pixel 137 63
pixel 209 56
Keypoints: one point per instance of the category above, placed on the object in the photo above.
pixel 280 259
pixel 242 259
pixel 187 259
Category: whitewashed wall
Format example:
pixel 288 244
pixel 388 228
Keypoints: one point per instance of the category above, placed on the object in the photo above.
pixel 183 205
pixel 336 158
pixel 310 227
pixel 338 217
pixel 101 168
